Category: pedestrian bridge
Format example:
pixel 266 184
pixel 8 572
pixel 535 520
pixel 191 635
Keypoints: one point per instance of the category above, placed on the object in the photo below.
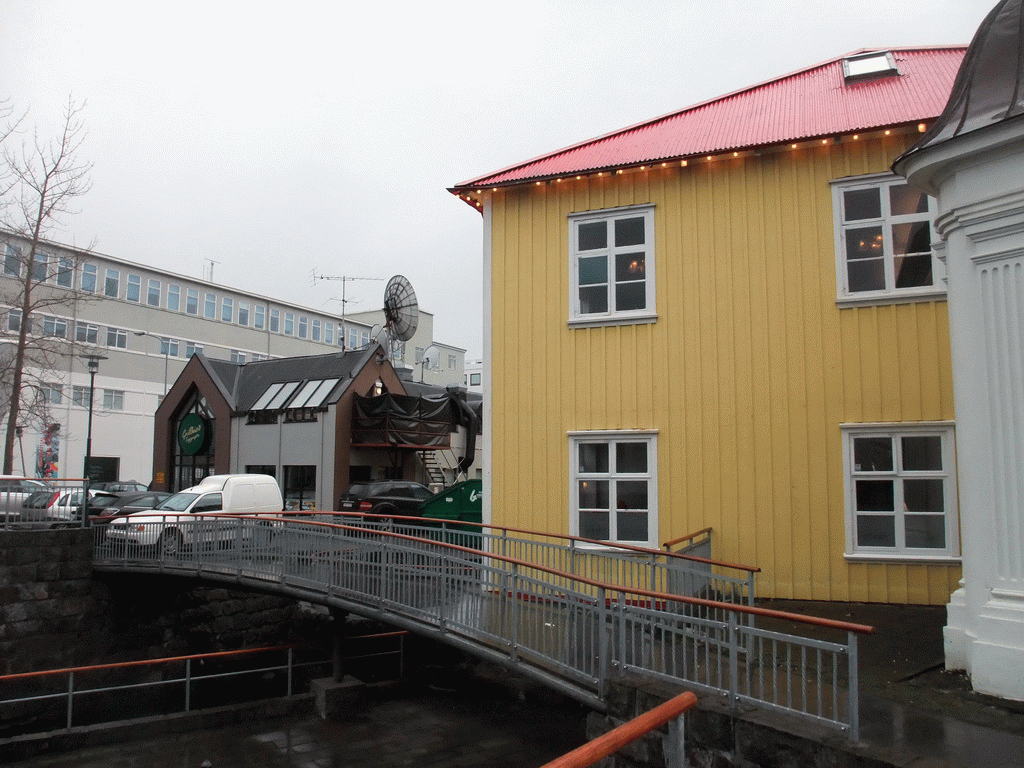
pixel 569 612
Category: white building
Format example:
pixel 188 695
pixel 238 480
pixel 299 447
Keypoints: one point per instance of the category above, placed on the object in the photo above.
pixel 146 323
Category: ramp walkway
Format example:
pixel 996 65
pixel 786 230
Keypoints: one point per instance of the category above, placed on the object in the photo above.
pixel 569 612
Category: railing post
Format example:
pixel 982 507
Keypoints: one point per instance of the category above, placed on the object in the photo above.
pixel 734 657
pixel 675 744
pixel 603 642
pixel 71 694
pixel 289 694
pixel 853 685
pixel 188 685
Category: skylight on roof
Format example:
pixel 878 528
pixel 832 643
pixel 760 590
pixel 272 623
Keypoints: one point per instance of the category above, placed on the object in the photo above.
pixel 868 66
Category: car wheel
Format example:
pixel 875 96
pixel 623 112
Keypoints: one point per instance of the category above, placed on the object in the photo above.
pixel 384 513
pixel 170 543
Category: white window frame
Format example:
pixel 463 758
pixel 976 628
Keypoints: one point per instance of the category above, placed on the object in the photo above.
pixel 41 267
pixel 117 337
pixel 65 276
pixel 56 327
pixel 112 283
pixel 611 438
pixel 612 316
pixel 86 333
pixel 192 301
pixel 243 313
pixel 210 306
pixel 943 429
pixel 133 288
pixel 153 292
pixel 174 305
pixel 113 399
pixel 90 277
pixel 80 396
pixel 890 293
pixel 12 261
pixel 259 315
pixel 275 321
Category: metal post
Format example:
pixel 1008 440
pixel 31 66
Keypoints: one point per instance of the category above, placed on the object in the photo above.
pixel 603 651
pixel 675 744
pixel 71 694
pixel 853 687
pixel 734 657
pixel 188 684
pixel 289 673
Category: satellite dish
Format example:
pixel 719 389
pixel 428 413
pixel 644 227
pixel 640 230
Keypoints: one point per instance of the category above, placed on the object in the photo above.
pixel 401 312
pixel 377 335
pixel 430 357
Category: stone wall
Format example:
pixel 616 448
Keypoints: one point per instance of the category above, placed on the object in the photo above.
pixel 54 612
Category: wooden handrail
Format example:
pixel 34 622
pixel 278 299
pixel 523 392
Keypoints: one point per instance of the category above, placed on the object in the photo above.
pixel 687 537
pixel 617 738
pixel 768 613
pixel 142 662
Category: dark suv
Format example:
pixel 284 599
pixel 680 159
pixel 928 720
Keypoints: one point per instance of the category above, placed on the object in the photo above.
pixel 384 497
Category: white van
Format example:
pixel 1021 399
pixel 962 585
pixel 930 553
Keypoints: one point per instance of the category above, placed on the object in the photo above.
pixel 181 519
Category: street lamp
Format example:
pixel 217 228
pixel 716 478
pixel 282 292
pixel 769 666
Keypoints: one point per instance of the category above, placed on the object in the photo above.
pixel 92 362
pixel 166 345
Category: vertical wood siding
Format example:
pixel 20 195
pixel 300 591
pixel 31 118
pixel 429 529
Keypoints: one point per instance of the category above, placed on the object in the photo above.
pixel 747 374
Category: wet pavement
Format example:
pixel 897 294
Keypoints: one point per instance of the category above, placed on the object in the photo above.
pixel 425 728
pixel 913 714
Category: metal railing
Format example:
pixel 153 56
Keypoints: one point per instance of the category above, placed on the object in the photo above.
pixel 33 503
pixel 569 629
pixel 77 686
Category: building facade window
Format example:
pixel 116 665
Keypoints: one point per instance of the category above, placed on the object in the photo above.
pixel 474 379
pixel 113 399
pixel 112 283
pixel 612 266
pixel 353 338
pixel 55 326
pixel 299 487
pixel 52 394
pixel 613 486
pixel 883 232
pixel 153 293
pixel 169 347
pixel 40 266
pixel 303 326
pixel 80 396
pixel 328 333
pixel 900 491
pixel 210 306
pixel 191 348
pixel 259 317
pixel 174 297
pixel 89 277
pixel 275 321
pixel 289 324
pixel 117 337
pixel 451 362
pixel 227 310
pixel 192 301
pixel 314 330
pixel 237 357
pixel 14 320
pixel 243 313
pixel 133 288
pixel 12 261
pixel 86 333
pixel 65 272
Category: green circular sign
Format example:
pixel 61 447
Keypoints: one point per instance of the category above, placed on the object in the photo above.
pixel 193 434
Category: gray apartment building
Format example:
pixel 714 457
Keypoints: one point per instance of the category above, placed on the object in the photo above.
pixel 145 323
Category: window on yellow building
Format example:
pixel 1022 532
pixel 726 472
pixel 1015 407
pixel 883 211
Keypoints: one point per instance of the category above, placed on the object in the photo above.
pixel 883 240
pixel 900 491
pixel 612 266
pixel 613 486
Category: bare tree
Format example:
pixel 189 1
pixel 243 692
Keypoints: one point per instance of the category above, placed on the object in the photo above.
pixel 40 181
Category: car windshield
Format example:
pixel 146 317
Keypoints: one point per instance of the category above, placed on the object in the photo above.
pixel 176 503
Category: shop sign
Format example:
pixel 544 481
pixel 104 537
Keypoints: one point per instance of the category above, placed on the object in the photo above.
pixel 193 434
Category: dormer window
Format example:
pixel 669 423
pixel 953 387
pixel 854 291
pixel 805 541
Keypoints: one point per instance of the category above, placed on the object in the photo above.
pixel 869 66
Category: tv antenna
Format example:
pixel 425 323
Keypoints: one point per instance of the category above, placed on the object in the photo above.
pixel 212 262
pixel 345 280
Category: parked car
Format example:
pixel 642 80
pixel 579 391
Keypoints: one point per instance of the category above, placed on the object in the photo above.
pixel 119 486
pixel 198 515
pixel 384 497
pixel 129 504
pixel 14 490
pixel 62 504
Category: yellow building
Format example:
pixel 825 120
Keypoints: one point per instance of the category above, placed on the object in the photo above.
pixel 733 316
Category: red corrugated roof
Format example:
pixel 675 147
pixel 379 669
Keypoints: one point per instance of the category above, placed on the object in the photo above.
pixel 810 103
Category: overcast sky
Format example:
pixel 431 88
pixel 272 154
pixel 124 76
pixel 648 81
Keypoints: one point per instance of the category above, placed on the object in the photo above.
pixel 279 139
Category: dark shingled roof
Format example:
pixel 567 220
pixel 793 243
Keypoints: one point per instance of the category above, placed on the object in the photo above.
pixel 989 87
pixel 245 382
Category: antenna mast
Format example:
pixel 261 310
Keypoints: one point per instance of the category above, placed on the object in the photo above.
pixel 345 279
pixel 212 262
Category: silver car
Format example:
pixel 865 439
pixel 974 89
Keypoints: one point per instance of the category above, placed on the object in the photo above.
pixel 14 490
